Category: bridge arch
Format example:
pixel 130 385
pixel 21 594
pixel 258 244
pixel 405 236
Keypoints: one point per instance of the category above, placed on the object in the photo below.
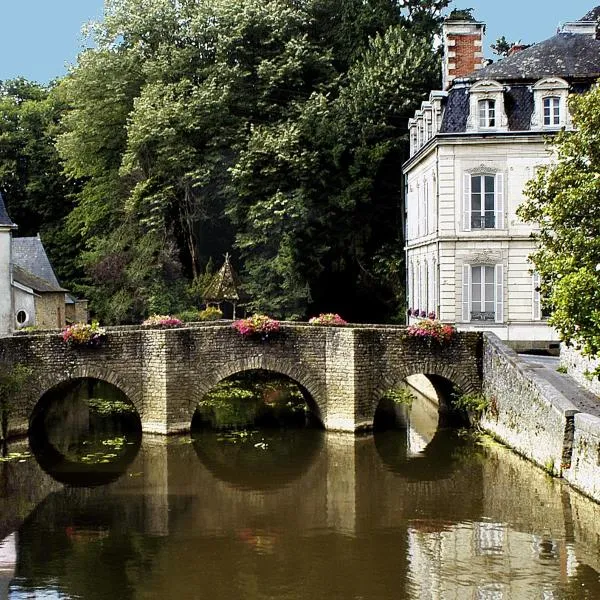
pixel 443 375
pixel 54 379
pixel 315 395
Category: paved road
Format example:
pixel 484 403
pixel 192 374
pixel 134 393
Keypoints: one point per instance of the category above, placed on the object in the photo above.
pixel 546 366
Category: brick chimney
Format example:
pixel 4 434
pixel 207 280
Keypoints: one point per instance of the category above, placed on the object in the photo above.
pixel 463 49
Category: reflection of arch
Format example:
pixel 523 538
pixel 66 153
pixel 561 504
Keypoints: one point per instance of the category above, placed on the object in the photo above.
pixel 288 455
pixel 313 394
pixel 439 459
pixel 86 372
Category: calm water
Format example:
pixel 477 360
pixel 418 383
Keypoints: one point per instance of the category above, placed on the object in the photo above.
pixel 419 514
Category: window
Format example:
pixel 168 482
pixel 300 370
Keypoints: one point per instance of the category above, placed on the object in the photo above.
pixel 22 318
pixel 539 310
pixel 483 296
pixel 551 110
pixel 487 113
pixel 483 201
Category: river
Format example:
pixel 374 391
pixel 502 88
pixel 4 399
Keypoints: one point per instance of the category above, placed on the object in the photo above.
pixel 296 514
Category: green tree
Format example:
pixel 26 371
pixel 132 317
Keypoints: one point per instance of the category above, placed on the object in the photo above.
pixel 564 202
pixel 37 193
pixel 192 125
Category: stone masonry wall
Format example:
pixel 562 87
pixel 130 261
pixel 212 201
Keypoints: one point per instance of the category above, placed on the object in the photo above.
pixel 580 368
pixel 526 412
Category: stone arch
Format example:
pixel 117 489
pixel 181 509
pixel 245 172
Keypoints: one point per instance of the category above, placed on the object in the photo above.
pixel 439 373
pixel 277 365
pixel 45 384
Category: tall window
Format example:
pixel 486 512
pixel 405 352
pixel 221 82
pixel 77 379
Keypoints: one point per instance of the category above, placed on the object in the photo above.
pixel 483 201
pixel 483 296
pixel 483 206
pixel 487 113
pixel 552 110
pixel 482 293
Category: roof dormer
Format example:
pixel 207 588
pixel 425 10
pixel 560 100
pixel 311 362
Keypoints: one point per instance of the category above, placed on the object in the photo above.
pixel 486 107
pixel 550 110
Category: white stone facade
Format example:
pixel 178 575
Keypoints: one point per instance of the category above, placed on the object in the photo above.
pixel 447 256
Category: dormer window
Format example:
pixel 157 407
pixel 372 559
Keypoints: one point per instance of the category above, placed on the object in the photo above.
pixel 487 113
pixel 550 104
pixel 551 111
pixel 486 107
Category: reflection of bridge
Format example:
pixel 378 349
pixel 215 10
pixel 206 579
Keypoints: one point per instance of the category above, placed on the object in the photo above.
pixel 166 372
pixel 192 522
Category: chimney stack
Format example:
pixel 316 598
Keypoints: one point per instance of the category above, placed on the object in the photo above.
pixel 463 49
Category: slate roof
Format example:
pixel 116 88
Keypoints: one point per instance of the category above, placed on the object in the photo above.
pixel 593 15
pixel 28 254
pixel 37 284
pixel 566 55
pixel 4 218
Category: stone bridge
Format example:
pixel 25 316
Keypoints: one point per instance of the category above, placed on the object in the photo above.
pixel 343 371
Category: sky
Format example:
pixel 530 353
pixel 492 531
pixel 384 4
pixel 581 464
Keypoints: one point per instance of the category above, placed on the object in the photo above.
pixel 40 38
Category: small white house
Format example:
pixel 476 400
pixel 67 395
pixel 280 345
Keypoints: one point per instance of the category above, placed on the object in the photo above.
pixel 473 147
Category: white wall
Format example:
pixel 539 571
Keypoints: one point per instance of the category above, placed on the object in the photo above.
pixel 6 314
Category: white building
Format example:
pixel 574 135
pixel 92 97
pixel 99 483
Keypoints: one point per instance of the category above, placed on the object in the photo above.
pixel 473 146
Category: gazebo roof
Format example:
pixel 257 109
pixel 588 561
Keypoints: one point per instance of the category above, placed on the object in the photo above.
pixel 225 285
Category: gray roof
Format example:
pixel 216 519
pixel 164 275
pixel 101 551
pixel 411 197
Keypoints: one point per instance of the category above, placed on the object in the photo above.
pixel 566 55
pixel 37 284
pixel 29 254
pixel 593 15
pixel 4 218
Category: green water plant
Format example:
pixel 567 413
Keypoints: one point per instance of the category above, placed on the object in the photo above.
pixel 475 403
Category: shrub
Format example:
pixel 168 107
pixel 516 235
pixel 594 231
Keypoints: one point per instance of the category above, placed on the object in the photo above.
pixel 328 319
pixel 188 316
pixel 162 321
pixel 210 313
pixel 257 326
pixel 430 329
pixel 84 334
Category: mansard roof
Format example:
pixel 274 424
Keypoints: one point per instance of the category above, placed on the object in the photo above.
pixel 593 15
pixel 567 55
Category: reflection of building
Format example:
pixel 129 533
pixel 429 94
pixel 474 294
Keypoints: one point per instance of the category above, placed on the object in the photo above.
pixel 8 563
pixel 30 293
pixel 473 146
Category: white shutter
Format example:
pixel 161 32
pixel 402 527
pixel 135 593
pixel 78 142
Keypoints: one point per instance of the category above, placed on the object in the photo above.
pixel 536 312
pixel 466 294
pixel 499 203
pixel 467 202
pixel 499 289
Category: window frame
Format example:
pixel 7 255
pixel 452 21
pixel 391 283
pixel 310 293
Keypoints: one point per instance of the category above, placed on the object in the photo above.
pixel 554 116
pixel 499 222
pixel 497 294
pixel 487 117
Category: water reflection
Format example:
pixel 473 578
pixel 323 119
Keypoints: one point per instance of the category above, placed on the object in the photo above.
pixel 258 459
pixel 85 433
pixel 346 519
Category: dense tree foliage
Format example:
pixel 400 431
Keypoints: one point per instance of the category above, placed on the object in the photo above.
pixel 37 194
pixel 273 128
pixel 564 200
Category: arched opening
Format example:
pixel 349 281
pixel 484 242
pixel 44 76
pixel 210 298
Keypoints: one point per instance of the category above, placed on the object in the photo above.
pixel 85 432
pixel 417 426
pixel 256 399
pixel 257 429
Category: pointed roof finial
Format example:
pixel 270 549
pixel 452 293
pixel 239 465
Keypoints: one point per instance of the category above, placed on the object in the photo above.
pixel 4 218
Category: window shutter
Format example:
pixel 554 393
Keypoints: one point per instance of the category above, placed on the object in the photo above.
pixel 536 313
pixel 467 202
pixel 466 295
pixel 499 286
pixel 499 204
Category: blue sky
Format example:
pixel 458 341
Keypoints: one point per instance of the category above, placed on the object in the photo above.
pixel 39 38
